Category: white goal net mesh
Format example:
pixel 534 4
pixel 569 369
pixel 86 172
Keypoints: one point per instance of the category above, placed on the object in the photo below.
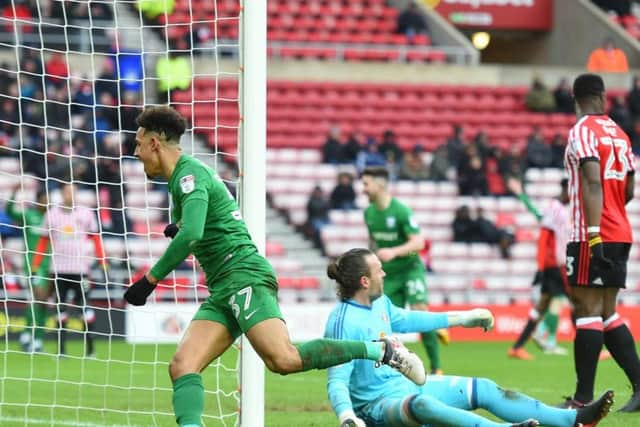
pixel 73 77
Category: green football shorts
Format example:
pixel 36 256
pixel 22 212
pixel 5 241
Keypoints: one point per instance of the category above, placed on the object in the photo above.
pixel 240 300
pixel 408 286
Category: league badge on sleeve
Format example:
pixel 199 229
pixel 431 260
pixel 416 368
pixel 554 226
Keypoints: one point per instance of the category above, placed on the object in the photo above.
pixel 187 184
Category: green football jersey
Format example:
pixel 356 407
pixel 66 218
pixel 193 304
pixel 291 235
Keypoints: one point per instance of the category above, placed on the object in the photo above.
pixel 31 219
pixel 226 244
pixel 392 227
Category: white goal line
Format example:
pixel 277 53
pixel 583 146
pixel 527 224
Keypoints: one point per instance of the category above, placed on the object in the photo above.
pixel 71 423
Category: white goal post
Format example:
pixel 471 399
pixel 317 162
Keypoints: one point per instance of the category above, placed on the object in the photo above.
pixel 252 161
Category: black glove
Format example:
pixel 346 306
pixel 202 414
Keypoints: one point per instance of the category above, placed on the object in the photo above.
pixel 139 291
pixel 537 279
pixel 600 263
pixel 171 230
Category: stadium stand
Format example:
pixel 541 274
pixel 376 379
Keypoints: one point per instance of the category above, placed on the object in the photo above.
pixel 486 277
pixel 320 30
pixel 301 113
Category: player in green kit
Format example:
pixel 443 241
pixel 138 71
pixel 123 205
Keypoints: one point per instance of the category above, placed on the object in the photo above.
pixel 242 284
pixel 394 236
pixel 36 312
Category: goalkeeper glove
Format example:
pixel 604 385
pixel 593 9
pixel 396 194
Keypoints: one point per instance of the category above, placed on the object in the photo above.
pixel 349 419
pixel 171 230
pixel 139 291
pixel 477 317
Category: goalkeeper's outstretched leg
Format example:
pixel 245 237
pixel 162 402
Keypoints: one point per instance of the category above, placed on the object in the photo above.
pixel 448 401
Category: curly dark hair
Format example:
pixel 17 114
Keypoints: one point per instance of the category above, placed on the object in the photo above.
pixel 347 270
pixel 163 120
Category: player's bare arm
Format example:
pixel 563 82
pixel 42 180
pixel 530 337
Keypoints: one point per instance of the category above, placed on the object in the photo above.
pixel 630 187
pixel 413 245
pixel 591 194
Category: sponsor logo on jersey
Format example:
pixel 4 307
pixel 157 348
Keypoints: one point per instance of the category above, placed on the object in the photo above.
pixel 385 236
pixel 391 221
pixel 187 184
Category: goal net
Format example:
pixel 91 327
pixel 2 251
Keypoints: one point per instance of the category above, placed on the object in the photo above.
pixel 73 77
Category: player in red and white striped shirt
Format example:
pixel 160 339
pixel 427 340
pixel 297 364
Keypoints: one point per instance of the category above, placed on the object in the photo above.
pixel 551 274
pixel 68 227
pixel 600 163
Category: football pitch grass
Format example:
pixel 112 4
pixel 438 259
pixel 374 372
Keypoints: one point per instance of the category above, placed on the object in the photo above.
pixel 138 394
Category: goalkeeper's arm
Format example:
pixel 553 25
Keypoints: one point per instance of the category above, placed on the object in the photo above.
pixel 338 389
pixel 423 321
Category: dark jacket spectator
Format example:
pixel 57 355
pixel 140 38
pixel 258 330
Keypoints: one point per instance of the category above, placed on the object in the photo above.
pixel 332 148
pixel 538 154
pixel 317 215
pixel 539 98
pixel 370 156
pixel 7 76
pixel 389 147
pixel 83 100
pixel 488 232
pixel 343 195
pixel 482 144
pixel 411 21
pixel 352 147
pixel 472 180
pixel 57 108
pixel 558 146
pixel 455 146
pixel 317 207
pixel 413 167
pixel 439 166
pixel 620 114
pixel 510 164
pixel 107 81
pixel 563 97
pixel 634 99
pixel 463 226
pixel 129 110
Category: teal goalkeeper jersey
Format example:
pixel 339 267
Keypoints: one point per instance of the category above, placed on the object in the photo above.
pixel 225 245
pixel 358 383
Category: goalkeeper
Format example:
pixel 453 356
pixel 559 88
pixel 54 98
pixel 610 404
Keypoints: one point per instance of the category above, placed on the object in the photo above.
pixel 242 284
pixel 31 219
pixel 359 394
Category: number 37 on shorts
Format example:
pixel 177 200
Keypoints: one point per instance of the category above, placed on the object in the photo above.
pixel 253 304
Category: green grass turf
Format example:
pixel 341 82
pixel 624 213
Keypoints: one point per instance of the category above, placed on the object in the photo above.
pixel 95 393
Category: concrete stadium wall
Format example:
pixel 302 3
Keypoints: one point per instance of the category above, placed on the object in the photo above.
pixel 489 75
pixel 579 27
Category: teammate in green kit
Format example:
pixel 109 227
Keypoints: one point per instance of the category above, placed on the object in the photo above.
pixel 30 218
pixel 394 236
pixel 242 284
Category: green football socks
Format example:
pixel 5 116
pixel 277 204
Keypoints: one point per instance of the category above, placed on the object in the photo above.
pixel 551 321
pixel 430 343
pixel 188 400
pixel 40 315
pixel 324 353
pixel 35 316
